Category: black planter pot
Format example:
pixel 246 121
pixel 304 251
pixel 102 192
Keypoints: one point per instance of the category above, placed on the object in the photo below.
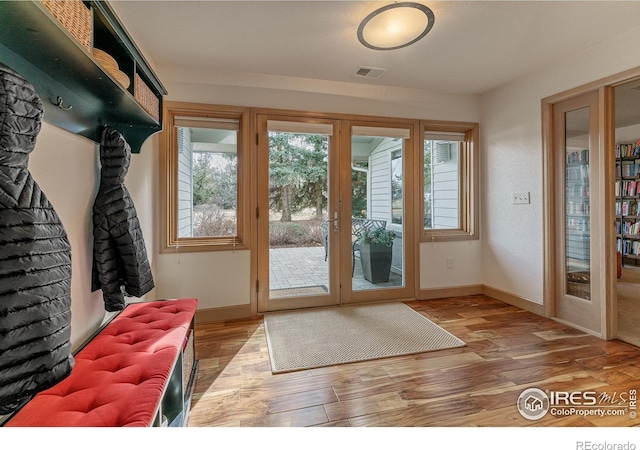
pixel 376 262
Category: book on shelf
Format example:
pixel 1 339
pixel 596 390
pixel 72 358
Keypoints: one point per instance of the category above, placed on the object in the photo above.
pixel 628 246
pixel 578 224
pixel 630 228
pixel 627 208
pixel 578 246
pixel 628 150
pixel 578 157
pixel 580 207
pixel 626 188
pixel 578 173
pixel 629 170
pixel 578 190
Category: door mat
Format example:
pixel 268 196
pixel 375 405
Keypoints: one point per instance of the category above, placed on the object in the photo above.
pixel 321 337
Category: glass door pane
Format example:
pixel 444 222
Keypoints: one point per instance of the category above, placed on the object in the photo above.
pixel 577 204
pixel 298 219
pixel 377 212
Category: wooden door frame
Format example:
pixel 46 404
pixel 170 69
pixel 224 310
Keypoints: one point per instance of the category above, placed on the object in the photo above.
pixel 411 150
pixel 606 131
pixel 579 312
pixel 263 302
pixel 342 131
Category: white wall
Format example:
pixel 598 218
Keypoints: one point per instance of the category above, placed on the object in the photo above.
pixel 511 146
pixel 465 255
pixel 221 279
pixel 467 260
pixel 216 279
pixel 142 183
pixel 194 84
pixel 628 135
pixel 508 256
pixel 67 169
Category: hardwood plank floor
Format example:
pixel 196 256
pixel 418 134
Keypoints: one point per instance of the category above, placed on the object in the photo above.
pixel 628 302
pixel 508 350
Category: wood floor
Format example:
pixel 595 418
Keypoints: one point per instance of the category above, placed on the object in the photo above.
pixel 628 298
pixel 508 350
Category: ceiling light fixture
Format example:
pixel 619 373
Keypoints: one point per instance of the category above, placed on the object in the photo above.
pixel 395 26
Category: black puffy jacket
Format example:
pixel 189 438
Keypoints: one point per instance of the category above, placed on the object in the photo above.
pixel 119 255
pixel 35 259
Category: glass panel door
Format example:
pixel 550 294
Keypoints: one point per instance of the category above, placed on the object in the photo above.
pixel 377 212
pixel 580 244
pixel 378 231
pixel 297 216
pixel 333 223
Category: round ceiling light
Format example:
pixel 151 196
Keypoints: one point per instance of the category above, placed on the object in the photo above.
pixel 395 26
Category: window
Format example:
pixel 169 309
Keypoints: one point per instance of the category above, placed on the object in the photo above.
pixel 450 181
pixel 203 169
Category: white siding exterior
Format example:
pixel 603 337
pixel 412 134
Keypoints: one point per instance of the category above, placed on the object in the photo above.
pixel 380 192
pixel 185 184
pixel 379 202
pixel 446 191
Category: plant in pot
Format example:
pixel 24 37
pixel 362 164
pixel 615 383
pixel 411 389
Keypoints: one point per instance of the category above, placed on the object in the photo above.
pixel 376 247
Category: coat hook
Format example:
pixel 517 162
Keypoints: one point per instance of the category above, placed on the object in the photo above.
pixel 61 106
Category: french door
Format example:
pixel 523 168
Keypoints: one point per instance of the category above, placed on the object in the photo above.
pixel 298 213
pixel 323 184
pixel 581 253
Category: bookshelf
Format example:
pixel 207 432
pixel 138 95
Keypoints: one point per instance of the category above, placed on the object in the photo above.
pixel 627 191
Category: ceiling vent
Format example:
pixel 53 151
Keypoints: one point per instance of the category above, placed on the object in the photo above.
pixel 370 72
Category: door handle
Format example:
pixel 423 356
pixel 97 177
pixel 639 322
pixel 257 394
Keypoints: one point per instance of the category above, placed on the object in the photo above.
pixel 334 220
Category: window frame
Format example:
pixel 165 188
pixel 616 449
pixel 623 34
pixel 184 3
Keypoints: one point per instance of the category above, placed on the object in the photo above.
pixel 170 242
pixel 469 183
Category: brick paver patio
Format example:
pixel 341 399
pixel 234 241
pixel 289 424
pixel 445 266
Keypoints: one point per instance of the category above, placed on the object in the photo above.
pixel 294 268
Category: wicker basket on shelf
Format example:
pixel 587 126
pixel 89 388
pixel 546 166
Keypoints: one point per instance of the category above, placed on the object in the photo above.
pixel 146 98
pixel 75 17
pixel 188 360
pixel 579 284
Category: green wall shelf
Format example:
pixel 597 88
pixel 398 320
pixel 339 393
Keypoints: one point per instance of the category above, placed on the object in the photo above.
pixel 36 45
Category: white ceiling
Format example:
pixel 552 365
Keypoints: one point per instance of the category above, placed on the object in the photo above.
pixel 474 46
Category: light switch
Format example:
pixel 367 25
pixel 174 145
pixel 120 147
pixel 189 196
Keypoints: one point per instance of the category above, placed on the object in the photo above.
pixel 520 198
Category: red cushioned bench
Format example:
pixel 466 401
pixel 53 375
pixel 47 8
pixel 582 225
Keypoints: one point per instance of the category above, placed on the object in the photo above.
pixel 134 372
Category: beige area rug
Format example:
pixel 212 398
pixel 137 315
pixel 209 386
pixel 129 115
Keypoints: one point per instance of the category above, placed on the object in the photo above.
pixel 295 292
pixel 628 290
pixel 321 337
